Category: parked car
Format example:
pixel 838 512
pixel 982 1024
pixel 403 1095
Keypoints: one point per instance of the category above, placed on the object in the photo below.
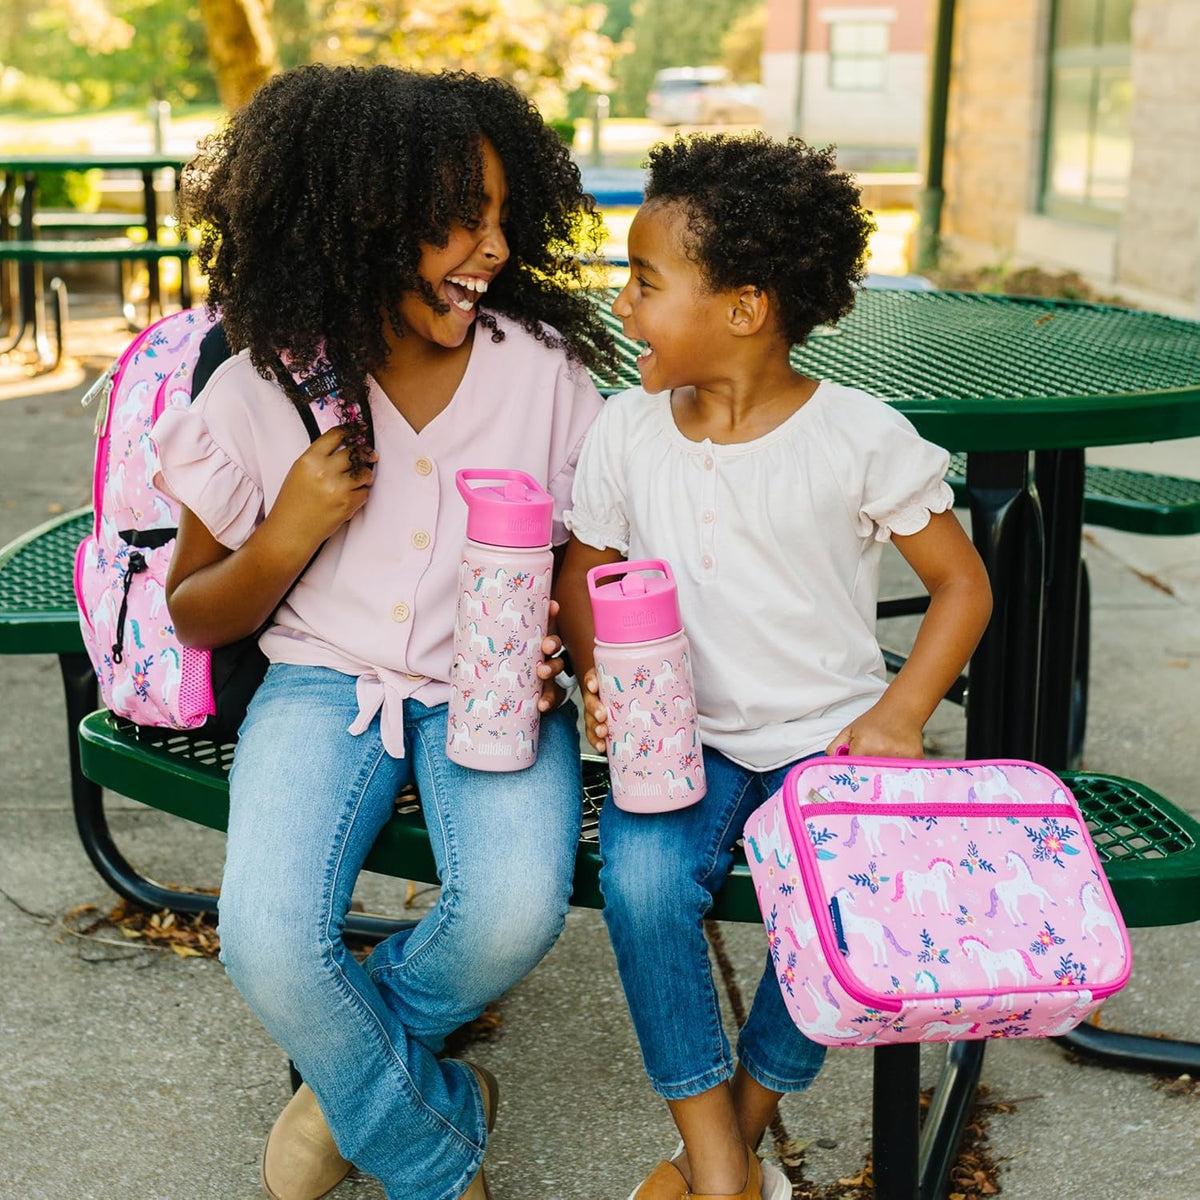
pixel 702 96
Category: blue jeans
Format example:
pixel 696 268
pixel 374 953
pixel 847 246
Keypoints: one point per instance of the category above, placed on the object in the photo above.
pixel 659 876
pixel 307 800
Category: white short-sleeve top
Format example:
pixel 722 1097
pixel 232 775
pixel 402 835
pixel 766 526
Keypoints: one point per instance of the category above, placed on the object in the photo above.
pixel 378 602
pixel 776 545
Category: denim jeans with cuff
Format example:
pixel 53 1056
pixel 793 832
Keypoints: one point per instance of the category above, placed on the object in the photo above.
pixel 660 873
pixel 307 800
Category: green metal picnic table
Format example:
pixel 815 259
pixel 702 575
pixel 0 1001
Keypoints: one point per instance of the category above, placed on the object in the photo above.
pixel 28 255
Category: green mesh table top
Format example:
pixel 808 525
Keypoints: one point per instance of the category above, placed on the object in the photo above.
pixel 980 372
pixel 1149 847
pixel 37 596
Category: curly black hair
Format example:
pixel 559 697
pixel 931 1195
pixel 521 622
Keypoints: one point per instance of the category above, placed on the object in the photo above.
pixel 312 203
pixel 771 214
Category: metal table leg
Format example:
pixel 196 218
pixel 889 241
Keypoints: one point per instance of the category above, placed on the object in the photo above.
pixel 1060 488
pixel 1133 1051
pixel 1007 530
pixel 895 1120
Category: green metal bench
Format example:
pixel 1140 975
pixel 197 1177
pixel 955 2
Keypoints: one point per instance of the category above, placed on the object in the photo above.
pixel 1135 501
pixel 32 255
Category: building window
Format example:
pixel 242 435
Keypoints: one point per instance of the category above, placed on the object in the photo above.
pixel 1088 147
pixel 857 56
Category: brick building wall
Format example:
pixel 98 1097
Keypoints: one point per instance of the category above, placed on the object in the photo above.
pixel 994 147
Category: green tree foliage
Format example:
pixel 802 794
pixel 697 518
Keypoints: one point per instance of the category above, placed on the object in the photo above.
pixel 120 52
pixel 741 47
pixel 671 33
pixel 547 48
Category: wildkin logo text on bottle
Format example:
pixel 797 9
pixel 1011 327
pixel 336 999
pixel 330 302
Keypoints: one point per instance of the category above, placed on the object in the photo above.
pixel 642 789
pixel 495 749
pixel 637 618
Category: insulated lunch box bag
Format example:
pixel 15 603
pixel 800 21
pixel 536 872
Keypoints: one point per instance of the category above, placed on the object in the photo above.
pixel 925 901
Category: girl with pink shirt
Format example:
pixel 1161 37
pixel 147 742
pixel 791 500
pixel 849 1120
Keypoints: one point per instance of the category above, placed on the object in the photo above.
pixel 403 237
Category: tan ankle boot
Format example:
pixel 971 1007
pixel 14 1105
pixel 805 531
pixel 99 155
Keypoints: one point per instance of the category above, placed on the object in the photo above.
pixel 301 1159
pixel 489 1089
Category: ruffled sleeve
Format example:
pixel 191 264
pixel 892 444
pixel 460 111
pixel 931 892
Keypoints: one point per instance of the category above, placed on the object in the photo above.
pixel 200 467
pixel 598 515
pixel 902 480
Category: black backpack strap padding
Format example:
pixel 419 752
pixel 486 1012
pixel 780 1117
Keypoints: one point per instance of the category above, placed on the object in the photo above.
pixel 214 350
pixel 310 423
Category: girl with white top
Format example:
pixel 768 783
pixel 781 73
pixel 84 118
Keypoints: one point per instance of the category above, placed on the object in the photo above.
pixel 771 495
pixel 401 237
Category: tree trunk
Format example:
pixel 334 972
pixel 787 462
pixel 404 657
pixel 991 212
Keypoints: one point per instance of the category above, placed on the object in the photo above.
pixel 240 46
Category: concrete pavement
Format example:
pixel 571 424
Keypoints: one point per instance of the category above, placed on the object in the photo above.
pixel 131 1074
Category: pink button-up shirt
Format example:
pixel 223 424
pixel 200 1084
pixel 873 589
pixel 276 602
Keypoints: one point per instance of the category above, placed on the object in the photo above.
pixel 379 601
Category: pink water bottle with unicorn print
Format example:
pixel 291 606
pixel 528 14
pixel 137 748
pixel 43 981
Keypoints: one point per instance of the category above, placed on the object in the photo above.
pixel 643 664
pixel 503 611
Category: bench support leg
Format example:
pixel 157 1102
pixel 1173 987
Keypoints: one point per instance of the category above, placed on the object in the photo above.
pixel 87 799
pixel 1133 1051
pixel 953 1100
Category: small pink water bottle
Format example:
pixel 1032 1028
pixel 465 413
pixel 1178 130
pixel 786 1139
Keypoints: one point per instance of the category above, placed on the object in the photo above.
pixel 503 610
pixel 643 664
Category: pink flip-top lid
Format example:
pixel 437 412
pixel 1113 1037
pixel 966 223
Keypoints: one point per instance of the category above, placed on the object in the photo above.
pixel 639 607
pixel 518 512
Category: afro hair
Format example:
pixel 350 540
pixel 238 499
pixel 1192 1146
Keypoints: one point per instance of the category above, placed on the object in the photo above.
pixel 313 201
pixel 774 215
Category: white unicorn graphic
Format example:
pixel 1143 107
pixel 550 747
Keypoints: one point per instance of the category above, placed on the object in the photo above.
pixel 1009 891
pixel 636 711
pixel 828 1012
pixel 506 675
pixel 464 669
pixel 475 606
pixel 890 787
pixel 476 640
pixel 770 841
pixel 622 747
pixel 461 740
pixel 674 743
pixel 872 931
pixel 947 1029
pixel 494 584
pixel 684 704
pixel 915 884
pixel 171 676
pixel 801 930
pixel 678 783
pixel 1095 915
pixel 992 784
pixel 509 614
pixel 1016 962
pixel 524 744
pixel 486 704
pixel 665 676
pixel 872 827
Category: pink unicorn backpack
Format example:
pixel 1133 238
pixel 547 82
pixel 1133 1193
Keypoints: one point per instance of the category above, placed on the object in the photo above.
pixel 145 674
pixel 921 901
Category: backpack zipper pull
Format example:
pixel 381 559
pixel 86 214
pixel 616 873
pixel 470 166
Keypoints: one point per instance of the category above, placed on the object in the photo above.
pixel 137 564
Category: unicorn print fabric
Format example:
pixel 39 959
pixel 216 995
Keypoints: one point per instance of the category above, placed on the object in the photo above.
pixel 933 901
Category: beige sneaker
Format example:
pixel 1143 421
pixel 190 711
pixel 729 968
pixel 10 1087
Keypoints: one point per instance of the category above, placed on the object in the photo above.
pixel 301 1160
